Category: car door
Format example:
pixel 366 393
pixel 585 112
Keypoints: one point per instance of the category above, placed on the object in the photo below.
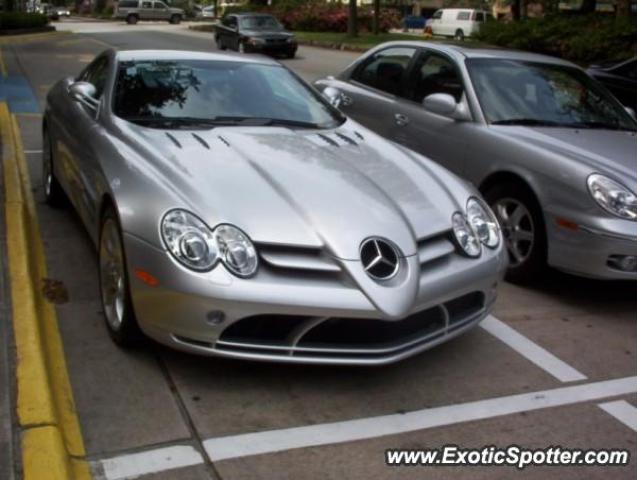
pixel 374 87
pixel 436 23
pixel 146 10
pixel 232 33
pixel 160 11
pixel 79 149
pixel 438 137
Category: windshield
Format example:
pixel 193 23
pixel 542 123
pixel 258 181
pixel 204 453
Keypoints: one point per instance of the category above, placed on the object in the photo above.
pixel 513 92
pixel 260 22
pixel 202 93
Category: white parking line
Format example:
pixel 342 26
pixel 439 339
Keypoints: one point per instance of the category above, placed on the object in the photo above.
pixel 32 152
pixel 622 411
pixel 531 351
pixel 142 463
pixel 223 448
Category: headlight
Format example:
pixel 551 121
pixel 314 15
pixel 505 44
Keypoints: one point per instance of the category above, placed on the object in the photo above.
pixel 483 222
pixel 291 39
pixel 196 246
pixel 255 41
pixel 465 236
pixel 236 250
pixel 612 196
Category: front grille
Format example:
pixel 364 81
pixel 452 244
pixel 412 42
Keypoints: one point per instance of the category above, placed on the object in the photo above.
pixel 304 336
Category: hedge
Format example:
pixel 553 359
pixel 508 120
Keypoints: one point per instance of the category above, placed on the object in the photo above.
pixel 19 21
pixel 321 16
pixel 579 38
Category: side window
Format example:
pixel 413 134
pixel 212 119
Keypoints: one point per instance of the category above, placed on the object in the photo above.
pixel 437 15
pixel 386 70
pixel 128 4
pixel 96 74
pixel 147 4
pixel 229 21
pixel 160 6
pixel 435 73
pixel 463 15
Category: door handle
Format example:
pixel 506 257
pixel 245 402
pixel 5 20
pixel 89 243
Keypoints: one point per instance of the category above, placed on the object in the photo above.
pixel 401 120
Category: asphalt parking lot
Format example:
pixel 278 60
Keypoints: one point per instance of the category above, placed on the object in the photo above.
pixel 534 374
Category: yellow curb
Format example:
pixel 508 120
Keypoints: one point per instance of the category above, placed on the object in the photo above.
pixel 52 445
pixel 31 37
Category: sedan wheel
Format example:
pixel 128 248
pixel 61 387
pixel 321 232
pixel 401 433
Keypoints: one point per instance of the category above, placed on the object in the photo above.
pixel 53 193
pixel 116 302
pixel 523 229
pixel 242 47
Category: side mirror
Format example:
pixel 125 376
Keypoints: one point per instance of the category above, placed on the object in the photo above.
pixel 440 104
pixel 631 112
pixel 84 92
pixel 336 98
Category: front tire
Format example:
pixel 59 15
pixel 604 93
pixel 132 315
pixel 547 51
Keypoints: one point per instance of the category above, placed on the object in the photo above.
pixel 132 19
pixel 53 192
pixel 220 44
pixel 242 48
pixel 175 19
pixel 114 286
pixel 459 35
pixel 520 217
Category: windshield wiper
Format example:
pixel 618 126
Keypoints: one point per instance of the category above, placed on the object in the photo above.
pixel 221 121
pixel 605 126
pixel 173 122
pixel 530 122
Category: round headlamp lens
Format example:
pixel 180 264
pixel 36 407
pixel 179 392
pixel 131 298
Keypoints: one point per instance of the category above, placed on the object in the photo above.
pixel 483 222
pixel 189 240
pixel 465 236
pixel 236 250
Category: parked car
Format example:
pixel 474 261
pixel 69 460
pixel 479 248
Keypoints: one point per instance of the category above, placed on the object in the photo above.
pixel 56 13
pixel 237 213
pixel 413 22
pixel 204 11
pixel 135 10
pixel 620 78
pixel 458 22
pixel 551 150
pixel 255 32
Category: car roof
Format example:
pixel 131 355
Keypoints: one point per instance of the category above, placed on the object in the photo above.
pixel 481 51
pixel 146 55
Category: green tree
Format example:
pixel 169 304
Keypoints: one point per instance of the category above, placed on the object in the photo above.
pixel 623 8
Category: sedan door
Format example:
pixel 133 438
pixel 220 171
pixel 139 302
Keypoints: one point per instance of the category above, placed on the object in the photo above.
pixel 441 138
pixel 160 11
pixel 375 86
pixel 146 10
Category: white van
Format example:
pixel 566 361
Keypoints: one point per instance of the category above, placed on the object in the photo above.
pixel 458 22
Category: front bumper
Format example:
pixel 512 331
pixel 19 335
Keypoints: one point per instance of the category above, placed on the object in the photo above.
pixel 302 318
pixel 588 249
pixel 272 48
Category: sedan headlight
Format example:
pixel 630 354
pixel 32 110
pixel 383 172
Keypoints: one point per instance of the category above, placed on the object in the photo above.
pixel 465 236
pixel 255 40
pixel 291 39
pixel 483 222
pixel 193 244
pixel 612 196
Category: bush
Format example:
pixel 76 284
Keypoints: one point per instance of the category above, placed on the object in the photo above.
pixel 321 16
pixel 18 20
pixel 579 38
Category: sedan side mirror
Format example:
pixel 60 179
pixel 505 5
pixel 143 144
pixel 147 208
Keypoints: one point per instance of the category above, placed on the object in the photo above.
pixel 440 104
pixel 84 92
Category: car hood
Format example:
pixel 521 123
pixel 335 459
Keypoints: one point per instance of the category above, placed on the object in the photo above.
pixel 267 33
pixel 601 149
pixel 320 189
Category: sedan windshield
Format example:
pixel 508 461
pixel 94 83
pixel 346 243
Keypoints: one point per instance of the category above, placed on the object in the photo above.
pixel 203 93
pixel 260 22
pixel 513 92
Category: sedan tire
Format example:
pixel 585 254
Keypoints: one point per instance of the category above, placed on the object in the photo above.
pixel 523 229
pixel 132 19
pixel 53 192
pixel 114 286
pixel 175 19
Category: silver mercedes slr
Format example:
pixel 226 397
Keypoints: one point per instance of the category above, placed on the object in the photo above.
pixel 237 213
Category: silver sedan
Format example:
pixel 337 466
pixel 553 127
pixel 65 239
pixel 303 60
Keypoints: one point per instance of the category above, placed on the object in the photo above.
pixel 552 150
pixel 237 213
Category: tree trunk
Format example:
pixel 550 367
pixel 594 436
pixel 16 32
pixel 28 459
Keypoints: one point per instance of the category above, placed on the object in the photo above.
pixel 377 17
pixel 352 20
pixel 588 6
pixel 515 9
pixel 623 8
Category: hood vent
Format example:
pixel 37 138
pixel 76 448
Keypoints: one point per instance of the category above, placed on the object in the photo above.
pixel 346 139
pixel 328 140
pixel 223 140
pixel 359 135
pixel 173 139
pixel 201 140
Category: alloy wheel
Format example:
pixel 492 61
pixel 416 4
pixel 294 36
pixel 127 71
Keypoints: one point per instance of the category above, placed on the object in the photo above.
pixel 112 275
pixel 518 229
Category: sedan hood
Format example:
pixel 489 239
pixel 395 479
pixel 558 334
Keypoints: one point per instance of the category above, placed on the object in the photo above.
pixel 607 149
pixel 274 34
pixel 319 189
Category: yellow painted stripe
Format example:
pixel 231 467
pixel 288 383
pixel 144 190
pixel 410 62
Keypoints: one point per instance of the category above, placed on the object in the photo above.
pixel 33 37
pixel 3 67
pixel 52 440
